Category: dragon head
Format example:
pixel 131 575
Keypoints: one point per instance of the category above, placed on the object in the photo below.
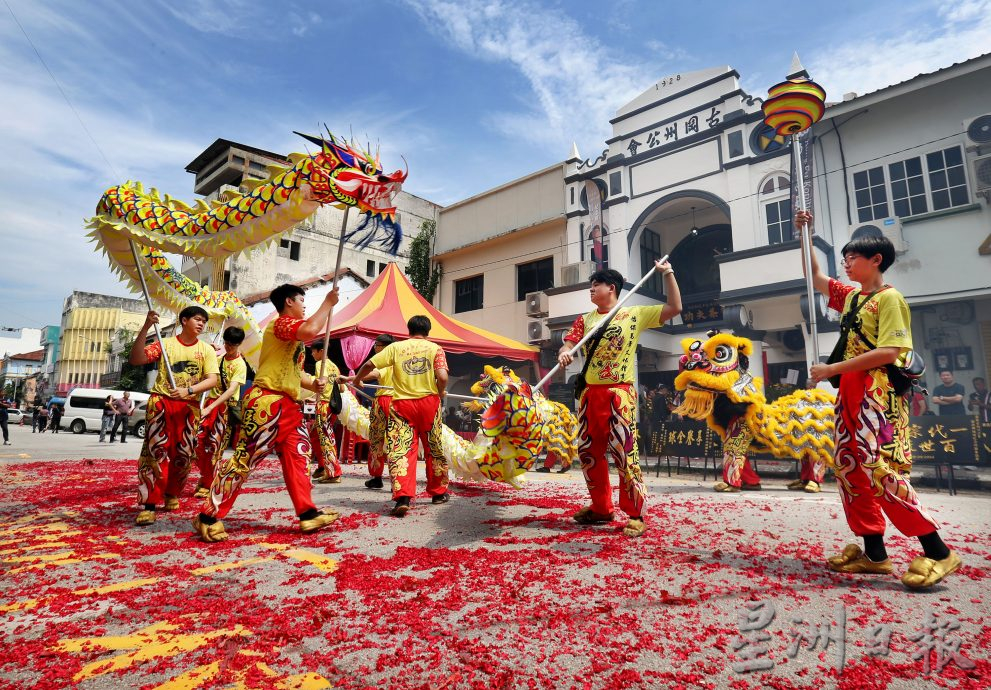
pixel 344 175
pixel 490 385
pixel 712 368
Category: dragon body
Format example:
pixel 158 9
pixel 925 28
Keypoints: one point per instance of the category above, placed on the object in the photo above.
pixel 718 387
pixel 128 216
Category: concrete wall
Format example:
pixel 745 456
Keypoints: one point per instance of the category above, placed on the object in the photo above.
pixel 497 261
pixel 520 204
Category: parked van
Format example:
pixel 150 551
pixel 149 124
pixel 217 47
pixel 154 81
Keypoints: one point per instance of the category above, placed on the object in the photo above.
pixel 84 410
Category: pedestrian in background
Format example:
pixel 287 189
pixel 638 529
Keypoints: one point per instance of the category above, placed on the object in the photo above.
pixel 107 420
pixel 56 418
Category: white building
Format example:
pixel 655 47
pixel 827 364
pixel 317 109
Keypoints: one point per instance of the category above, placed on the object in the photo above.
pixel 310 249
pixel 691 171
pixel 14 339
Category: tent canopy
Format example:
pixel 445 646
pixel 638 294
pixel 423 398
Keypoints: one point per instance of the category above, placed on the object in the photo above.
pixel 388 303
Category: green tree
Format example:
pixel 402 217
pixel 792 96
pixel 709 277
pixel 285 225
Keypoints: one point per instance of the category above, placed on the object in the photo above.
pixel 132 378
pixel 424 277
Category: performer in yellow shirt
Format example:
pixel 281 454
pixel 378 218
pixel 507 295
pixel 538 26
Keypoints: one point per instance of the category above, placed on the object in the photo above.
pixel 607 408
pixel 272 419
pixel 873 454
pixel 322 438
pixel 172 414
pixel 215 431
pixel 378 417
pixel 419 382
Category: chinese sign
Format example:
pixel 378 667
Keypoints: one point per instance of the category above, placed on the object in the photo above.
pixel 941 440
pixel 673 130
pixel 687 438
pixel 701 313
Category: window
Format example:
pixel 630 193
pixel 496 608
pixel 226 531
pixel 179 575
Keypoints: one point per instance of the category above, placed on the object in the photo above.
pixel 468 294
pixel 382 268
pixel 871 195
pixel 908 190
pixel 931 182
pixel 946 178
pixel 369 268
pixel 650 251
pixel 534 276
pixel 775 196
pixel 289 249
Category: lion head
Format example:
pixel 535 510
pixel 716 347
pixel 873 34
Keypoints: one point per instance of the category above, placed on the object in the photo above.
pixel 718 366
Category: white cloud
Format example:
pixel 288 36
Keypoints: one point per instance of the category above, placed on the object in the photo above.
pixel 576 84
pixel 962 31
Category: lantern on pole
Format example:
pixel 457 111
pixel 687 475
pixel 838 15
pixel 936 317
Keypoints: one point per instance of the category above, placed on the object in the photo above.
pixel 791 108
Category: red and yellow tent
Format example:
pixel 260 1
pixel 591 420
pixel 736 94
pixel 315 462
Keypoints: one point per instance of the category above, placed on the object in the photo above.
pixel 388 303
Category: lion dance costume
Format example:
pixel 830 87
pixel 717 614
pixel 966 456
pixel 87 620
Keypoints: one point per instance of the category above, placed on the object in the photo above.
pixel 718 387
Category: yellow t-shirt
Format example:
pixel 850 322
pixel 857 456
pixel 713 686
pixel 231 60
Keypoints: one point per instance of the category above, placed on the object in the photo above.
pixel 384 380
pixel 280 366
pixel 190 363
pixel 614 360
pixel 885 320
pixel 331 371
pixel 235 371
pixel 412 363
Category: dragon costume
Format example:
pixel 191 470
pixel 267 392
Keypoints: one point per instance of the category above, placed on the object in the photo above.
pixel 719 388
pixel 556 425
pixel 153 224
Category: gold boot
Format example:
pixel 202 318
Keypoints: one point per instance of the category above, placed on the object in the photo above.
pixel 723 487
pixel 925 572
pixel 854 560
pixel 211 534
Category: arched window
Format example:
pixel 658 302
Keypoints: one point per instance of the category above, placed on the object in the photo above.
pixel 775 204
pixel 650 251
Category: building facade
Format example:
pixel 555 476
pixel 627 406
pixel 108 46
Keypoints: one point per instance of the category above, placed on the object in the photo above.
pixel 500 247
pixel 89 323
pixel 18 375
pixel 692 172
pixel 310 249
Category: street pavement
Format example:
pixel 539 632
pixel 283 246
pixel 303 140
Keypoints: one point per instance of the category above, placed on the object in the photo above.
pixel 497 589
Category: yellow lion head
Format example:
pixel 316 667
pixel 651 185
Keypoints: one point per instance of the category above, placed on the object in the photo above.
pixel 490 384
pixel 714 367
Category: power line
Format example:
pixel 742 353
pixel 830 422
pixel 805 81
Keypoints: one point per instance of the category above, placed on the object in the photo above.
pixel 705 206
pixel 62 91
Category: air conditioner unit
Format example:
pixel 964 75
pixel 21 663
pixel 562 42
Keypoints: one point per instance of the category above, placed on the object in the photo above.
pixel 884 227
pixel 536 303
pixel 537 332
pixel 575 274
pixel 978 132
pixel 982 174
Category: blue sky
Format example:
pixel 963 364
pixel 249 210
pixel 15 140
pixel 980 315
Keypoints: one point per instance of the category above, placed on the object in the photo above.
pixel 473 93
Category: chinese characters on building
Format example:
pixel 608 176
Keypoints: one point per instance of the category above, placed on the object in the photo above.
pixel 670 132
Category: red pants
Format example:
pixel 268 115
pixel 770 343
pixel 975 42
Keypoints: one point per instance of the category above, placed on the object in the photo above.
pixel 170 428
pixel 607 432
pixel 813 471
pixel 739 469
pixel 377 423
pixel 211 441
pixel 871 462
pixel 322 439
pixel 271 422
pixel 410 423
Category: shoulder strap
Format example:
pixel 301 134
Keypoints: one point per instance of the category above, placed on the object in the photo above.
pixel 856 327
pixel 593 344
